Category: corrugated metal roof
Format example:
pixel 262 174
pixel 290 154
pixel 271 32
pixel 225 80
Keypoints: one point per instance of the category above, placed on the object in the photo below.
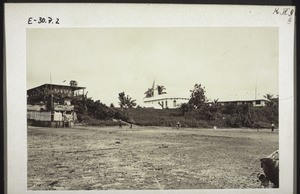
pixel 57 85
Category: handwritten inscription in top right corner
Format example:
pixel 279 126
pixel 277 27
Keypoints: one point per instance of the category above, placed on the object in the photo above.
pixel 285 12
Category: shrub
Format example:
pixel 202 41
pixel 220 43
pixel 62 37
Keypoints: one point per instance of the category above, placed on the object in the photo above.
pixel 200 114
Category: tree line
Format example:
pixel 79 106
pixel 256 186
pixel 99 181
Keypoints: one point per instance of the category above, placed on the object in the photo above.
pixel 232 114
pixel 197 108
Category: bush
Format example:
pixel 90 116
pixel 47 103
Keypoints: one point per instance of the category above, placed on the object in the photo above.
pixel 184 108
pixel 88 120
pixel 200 114
pixel 233 121
pixel 97 110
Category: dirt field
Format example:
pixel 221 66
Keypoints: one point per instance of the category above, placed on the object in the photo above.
pixel 91 158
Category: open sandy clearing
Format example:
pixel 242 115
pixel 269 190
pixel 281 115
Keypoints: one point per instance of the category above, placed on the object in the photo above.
pixel 92 158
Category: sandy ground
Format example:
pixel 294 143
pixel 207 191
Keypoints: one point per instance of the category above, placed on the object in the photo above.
pixel 94 158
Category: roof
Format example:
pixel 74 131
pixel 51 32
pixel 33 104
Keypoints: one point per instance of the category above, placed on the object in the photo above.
pixel 36 107
pixel 57 86
pixel 238 100
pixel 64 107
pixel 165 97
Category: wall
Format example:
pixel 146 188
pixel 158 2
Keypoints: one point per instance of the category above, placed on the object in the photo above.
pixel 170 103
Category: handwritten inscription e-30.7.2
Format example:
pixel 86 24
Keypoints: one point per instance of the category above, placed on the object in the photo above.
pixel 43 20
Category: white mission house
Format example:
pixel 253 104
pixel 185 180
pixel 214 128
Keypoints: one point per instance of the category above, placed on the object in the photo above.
pixel 159 99
pixel 164 101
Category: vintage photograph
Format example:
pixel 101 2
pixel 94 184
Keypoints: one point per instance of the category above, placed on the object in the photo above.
pixel 152 108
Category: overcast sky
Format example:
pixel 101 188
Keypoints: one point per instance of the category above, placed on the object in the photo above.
pixel 229 62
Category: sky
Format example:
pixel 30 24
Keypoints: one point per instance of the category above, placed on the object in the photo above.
pixel 229 62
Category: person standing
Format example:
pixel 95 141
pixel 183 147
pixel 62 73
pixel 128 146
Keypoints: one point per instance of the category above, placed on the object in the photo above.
pixel 272 127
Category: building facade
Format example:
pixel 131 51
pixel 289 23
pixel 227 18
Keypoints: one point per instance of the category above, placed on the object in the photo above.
pixel 250 102
pixel 160 99
pixel 164 101
pixel 51 105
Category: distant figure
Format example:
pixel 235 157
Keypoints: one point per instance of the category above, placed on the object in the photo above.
pixel 178 125
pixel 120 124
pixel 131 126
pixel 272 127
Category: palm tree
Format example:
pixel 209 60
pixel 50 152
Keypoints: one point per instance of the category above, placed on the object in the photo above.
pixel 161 90
pixel 129 102
pixel 149 93
pixel 271 101
pixel 126 101
pixel 268 96
pixel 215 102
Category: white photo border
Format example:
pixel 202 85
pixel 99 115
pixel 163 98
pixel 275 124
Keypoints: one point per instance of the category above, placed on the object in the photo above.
pixel 141 15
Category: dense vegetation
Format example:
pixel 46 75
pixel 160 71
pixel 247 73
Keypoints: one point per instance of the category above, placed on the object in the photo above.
pixel 239 116
pixel 96 113
pixel 226 116
pixel 229 115
pixel 195 113
pixel 198 113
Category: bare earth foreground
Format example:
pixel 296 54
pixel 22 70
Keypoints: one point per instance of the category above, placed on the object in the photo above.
pixel 93 158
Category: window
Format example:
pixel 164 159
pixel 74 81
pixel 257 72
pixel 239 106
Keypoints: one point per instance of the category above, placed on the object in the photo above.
pixel 257 102
pixel 166 104
pixel 174 103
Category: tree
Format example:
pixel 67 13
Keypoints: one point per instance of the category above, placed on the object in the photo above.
pixel 184 107
pixel 268 96
pixel 161 104
pixel 129 102
pixel 122 99
pixel 198 98
pixel 271 100
pixel 73 83
pixel 80 104
pixel 161 90
pixel 126 101
pixel 272 108
pixel 149 93
pixel 215 102
pixel 112 105
pixel 213 108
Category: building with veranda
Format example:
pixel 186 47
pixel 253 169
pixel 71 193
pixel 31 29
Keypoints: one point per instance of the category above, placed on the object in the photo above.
pixel 51 104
